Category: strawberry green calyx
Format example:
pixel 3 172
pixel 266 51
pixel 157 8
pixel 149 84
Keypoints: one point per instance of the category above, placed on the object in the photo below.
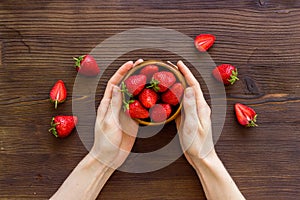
pixel 233 77
pixel 53 128
pixel 154 85
pixel 126 104
pixel 125 90
pixel 78 60
pixel 252 122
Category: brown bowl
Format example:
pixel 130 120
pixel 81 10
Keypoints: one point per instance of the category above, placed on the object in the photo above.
pixel 169 67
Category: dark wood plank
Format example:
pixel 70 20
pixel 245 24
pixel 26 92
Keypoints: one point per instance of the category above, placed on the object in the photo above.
pixel 39 38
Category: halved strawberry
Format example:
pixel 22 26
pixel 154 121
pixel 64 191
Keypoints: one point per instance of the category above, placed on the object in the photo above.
pixel 58 93
pixel 246 116
pixel 204 41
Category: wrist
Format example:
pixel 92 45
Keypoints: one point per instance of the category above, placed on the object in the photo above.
pixel 92 163
pixel 207 162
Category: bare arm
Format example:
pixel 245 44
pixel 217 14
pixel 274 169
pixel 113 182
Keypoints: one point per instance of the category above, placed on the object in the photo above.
pixel 86 180
pixel 112 145
pixel 195 132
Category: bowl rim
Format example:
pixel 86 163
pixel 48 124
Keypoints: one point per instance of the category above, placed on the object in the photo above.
pixel 170 66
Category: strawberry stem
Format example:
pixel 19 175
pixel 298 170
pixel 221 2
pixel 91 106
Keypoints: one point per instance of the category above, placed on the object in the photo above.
pixel 233 77
pixel 252 122
pixel 53 128
pixel 78 60
pixel 55 104
pixel 125 90
pixel 154 85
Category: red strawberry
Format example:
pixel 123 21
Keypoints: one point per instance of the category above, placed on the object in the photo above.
pixel 246 116
pixel 226 74
pixel 160 112
pixel 148 98
pixel 173 95
pixel 162 80
pixel 134 84
pixel 204 41
pixel 135 110
pixel 149 70
pixel 62 126
pixel 87 65
pixel 58 93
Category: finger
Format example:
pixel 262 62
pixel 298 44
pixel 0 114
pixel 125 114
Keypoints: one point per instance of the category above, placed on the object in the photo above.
pixel 192 81
pixel 116 78
pixel 116 103
pixel 102 109
pixel 139 61
pixel 189 77
pixel 189 105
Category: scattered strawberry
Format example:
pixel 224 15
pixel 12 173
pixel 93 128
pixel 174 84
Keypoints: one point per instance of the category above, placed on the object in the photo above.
pixel 87 65
pixel 173 95
pixel 204 41
pixel 62 126
pixel 135 110
pixel 134 84
pixel 58 93
pixel 226 74
pixel 148 98
pixel 162 80
pixel 160 112
pixel 149 70
pixel 246 116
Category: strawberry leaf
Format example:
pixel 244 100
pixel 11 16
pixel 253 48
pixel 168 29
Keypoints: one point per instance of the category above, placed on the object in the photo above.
pixel 154 85
pixel 233 77
pixel 78 60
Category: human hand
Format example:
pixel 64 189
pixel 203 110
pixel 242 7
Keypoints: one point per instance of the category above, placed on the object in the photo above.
pixel 115 132
pixel 194 123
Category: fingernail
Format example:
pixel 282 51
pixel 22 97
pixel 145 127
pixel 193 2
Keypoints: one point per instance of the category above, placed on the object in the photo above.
pixel 189 92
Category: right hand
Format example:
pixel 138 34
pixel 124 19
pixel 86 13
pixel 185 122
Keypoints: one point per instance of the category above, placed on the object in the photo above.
pixel 194 123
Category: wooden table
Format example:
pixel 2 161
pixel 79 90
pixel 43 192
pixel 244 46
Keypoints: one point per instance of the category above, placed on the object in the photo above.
pixel 39 38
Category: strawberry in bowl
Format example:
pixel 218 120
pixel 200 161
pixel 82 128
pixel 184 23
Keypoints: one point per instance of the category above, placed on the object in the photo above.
pixel 152 92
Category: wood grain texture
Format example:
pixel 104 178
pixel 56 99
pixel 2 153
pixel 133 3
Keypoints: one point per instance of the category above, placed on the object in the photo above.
pixel 39 38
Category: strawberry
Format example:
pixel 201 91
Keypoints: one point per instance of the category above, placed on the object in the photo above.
pixel 134 84
pixel 148 98
pixel 87 65
pixel 162 80
pixel 149 70
pixel 134 109
pixel 62 126
pixel 173 95
pixel 246 116
pixel 160 112
pixel 226 74
pixel 204 41
pixel 58 93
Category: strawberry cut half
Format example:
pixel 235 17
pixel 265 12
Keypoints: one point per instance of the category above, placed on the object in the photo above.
pixel 245 115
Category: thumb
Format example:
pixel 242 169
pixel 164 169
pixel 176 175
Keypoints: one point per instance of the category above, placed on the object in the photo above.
pixel 116 102
pixel 189 105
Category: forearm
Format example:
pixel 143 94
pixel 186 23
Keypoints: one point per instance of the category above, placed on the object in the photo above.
pixel 85 181
pixel 216 181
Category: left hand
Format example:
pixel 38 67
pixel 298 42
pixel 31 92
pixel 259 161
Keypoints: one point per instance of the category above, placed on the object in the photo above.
pixel 115 132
